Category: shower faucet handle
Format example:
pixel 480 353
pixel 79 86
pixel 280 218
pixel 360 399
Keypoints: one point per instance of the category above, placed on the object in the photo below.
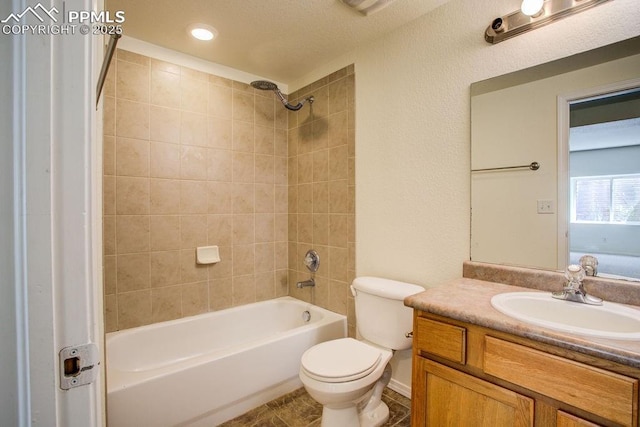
pixel 312 260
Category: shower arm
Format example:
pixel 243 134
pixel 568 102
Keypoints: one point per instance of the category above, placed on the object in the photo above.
pixel 289 106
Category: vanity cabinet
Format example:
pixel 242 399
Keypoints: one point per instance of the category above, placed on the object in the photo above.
pixel 469 375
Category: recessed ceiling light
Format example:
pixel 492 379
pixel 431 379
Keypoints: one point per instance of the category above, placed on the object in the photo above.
pixel 203 32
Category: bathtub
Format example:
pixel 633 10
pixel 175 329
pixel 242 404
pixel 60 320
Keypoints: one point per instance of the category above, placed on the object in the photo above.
pixel 207 369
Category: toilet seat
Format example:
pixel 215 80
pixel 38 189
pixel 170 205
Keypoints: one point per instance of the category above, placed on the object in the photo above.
pixel 340 360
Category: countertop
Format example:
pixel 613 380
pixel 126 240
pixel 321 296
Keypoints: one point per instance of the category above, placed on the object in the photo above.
pixel 469 300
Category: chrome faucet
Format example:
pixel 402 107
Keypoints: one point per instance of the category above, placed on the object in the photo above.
pixel 590 265
pixel 573 290
pixel 306 283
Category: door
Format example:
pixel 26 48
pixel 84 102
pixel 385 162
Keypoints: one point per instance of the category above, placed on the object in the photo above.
pixel 56 224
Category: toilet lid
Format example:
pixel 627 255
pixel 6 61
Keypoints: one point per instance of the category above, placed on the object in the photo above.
pixel 340 360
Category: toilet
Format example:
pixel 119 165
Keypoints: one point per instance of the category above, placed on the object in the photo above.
pixel 347 376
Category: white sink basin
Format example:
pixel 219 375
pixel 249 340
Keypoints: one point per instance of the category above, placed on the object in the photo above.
pixel 609 320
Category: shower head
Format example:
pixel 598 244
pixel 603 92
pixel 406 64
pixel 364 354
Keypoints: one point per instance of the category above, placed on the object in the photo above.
pixel 264 85
pixel 267 85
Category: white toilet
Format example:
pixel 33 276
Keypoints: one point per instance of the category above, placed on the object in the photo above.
pixel 348 376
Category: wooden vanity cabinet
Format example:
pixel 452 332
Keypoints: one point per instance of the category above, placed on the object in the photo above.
pixel 466 375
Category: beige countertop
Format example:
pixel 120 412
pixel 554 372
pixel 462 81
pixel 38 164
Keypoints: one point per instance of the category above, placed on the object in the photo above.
pixel 469 300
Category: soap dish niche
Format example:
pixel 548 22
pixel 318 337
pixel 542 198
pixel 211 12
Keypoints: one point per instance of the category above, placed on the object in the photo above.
pixel 207 255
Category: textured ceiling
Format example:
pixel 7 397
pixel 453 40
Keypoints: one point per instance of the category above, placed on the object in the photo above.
pixel 277 39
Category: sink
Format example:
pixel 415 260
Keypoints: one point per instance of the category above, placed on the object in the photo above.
pixel 609 320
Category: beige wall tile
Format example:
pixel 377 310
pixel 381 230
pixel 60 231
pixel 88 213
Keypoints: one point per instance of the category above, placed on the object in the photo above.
pixel 109 116
pixel 243 136
pixel 265 258
pixel 320 197
pixel 220 101
pixel 128 56
pixel 280 143
pixel 305 168
pixel 132 233
pixel 244 229
pixel 132 157
pixel 220 230
pixel 159 65
pixel 265 227
pixel 132 119
pixel 338 230
pixel 109 88
pixel 305 228
pixel 132 196
pixel 220 81
pixel 224 268
pixel 132 272
pixel 281 227
pixel 338 129
pixel 338 197
pixel 164 160
pixel 193 197
pixel 110 313
pixel 164 232
pixel 244 167
pixel 243 198
pixel 193 162
pixel 219 133
pixel 194 74
pixel 305 198
pixel 194 129
pixel 164 268
pixel 265 286
pixel 110 275
pixel 109 195
pixel 243 106
pixel 264 139
pixel 166 304
pixel 220 293
pixel 281 198
pixel 265 111
pixel 219 165
pixel 109 234
pixel 243 260
pixel 132 81
pixel 220 197
pixel 164 124
pixel 244 290
pixel 195 298
pixel 264 169
pixel 109 155
pixel 264 198
pixel 194 94
pixel 193 231
pixel 321 165
pixel 320 229
pixel 165 88
pixel 280 170
pixel 281 258
pixel 338 262
pixel 338 96
pixel 164 196
pixel 338 296
pixel 190 272
pixel 338 163
pixel 134 309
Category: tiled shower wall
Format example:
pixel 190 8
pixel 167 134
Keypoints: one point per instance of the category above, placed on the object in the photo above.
pixel 192 159
pixel 322 192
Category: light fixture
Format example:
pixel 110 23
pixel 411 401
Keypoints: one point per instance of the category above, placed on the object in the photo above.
pixel 367 7
pixel 534 14
pixel 532 7
pixel 203 32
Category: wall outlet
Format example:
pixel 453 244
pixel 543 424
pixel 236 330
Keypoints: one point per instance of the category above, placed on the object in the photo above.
pixel 546 207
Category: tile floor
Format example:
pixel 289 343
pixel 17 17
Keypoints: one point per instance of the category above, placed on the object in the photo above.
pixel 298 409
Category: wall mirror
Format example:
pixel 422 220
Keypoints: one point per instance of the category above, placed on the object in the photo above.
pixel 578 120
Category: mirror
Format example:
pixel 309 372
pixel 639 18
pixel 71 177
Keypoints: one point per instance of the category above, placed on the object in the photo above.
pixel 526 217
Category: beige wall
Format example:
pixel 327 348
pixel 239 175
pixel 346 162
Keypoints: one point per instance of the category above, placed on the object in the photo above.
pixel 190 159
pixel 322 192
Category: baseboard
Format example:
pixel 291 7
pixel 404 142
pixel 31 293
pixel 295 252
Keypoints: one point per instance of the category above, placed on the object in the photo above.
pixel 399 387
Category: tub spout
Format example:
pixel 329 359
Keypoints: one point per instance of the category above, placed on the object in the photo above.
pixel 306 283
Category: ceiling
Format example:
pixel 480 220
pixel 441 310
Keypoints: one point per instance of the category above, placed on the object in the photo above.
pixel 281 40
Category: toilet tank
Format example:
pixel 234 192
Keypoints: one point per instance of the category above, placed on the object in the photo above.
pixel 381 316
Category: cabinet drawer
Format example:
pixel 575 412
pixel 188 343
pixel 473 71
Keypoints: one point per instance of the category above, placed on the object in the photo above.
pixel 441 339
pixel 594 390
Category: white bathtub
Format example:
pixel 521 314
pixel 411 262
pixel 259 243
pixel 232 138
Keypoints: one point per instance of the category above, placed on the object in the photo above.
pixel 206 369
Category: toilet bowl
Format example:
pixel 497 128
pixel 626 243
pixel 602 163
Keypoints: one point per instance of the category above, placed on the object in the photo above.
pixel 347 376
pixel 339 374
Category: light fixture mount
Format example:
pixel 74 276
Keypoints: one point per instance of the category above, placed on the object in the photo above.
pixel 516 23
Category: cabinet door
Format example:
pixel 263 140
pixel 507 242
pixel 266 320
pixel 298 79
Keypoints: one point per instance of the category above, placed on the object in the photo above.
pixel 445 397
pixel 568 420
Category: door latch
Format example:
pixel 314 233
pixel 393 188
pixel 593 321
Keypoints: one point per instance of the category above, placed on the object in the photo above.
pixel 78 365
